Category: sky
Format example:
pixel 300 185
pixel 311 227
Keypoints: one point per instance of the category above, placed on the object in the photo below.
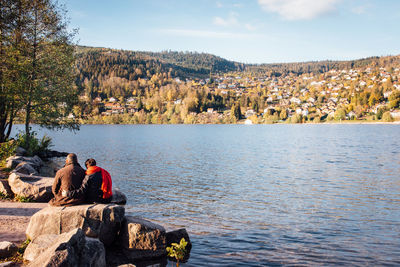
pixel 247 31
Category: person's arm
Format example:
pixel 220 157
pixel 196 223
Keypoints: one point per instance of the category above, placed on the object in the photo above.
pixel 79 193
pixel 56 184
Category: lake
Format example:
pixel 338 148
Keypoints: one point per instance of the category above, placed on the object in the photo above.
pixel 258 195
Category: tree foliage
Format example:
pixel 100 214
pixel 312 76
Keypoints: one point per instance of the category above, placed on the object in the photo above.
pixel 37 65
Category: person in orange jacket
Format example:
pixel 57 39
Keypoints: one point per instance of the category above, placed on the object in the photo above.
pixel 96 187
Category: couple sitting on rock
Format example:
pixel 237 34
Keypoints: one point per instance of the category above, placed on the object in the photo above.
pixel 73 186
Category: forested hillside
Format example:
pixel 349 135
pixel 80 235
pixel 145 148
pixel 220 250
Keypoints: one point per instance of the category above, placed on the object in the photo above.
pixel 111 72
pixel 118 86
pixel 116 73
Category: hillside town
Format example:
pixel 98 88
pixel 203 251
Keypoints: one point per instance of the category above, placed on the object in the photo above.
pixel 363 94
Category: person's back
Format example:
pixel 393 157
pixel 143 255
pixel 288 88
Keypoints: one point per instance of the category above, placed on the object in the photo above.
pixel 96 187
pixel 68 178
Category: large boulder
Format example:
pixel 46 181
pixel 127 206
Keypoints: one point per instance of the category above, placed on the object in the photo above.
pixel 36 188
pixel 142 239
pixel 118 197
pixel 72 249
pixel 7 249
pixel 5 188
pixel 96 220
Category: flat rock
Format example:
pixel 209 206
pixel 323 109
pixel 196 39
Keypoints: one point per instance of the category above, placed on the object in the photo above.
pixel 5 188
pixel 96 220
pixel 36 188
pixel 7 249
pixel 142 239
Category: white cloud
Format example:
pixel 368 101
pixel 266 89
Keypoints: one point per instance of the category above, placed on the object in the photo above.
pixel 230 21
pixel 210 34
pixel 250 27
pixel 219 4
pixel 298 9
pixel 360 9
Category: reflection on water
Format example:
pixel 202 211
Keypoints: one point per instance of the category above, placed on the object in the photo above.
pixel 259 195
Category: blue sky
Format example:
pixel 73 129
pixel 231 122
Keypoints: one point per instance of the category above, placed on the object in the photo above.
pixel 248 31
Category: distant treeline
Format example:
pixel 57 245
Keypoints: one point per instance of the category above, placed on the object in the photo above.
pixel 316 67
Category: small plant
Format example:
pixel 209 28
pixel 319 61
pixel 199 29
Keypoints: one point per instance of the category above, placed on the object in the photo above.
pixel 22 199
pixel 177 251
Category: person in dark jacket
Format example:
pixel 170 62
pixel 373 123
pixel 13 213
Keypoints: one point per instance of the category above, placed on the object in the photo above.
pixel 68 178
pixel 96 187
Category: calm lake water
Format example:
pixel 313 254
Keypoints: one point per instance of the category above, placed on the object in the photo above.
pixel 259 195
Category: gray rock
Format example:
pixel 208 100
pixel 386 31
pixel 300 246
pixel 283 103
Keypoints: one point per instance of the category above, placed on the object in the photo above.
pixel 65 251
pixel 25 168
pixel 19 151
pixel 175 237
pixel 96 220
pixel 38 245
pixel 37 160
pixel 7 249
pixel 49 168
pixel 142 239
pixel 5 188
pixel 13 161
pixel 92 252
pixel 36 188
pixel 118 197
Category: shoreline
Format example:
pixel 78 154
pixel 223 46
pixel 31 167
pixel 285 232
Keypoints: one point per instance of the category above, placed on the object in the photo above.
pixel 242 123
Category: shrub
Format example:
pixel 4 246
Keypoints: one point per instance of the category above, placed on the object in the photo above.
pixel 33 145
pixel 387 117
pixel 7 149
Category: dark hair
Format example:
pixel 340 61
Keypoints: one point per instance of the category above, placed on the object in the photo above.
pixel 90 162
pixel 72 158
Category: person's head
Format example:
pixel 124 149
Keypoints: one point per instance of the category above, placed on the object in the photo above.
pixel 90 162
pixel 71 159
